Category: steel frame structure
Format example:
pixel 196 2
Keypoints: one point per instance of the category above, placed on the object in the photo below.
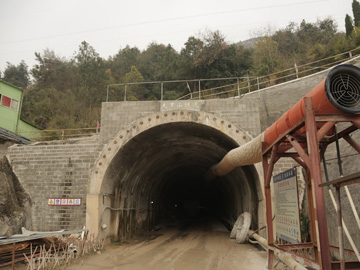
pixel 308 155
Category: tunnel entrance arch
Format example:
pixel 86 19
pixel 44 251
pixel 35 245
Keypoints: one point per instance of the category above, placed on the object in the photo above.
pixel 154 168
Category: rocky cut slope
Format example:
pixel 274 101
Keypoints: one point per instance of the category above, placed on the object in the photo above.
pixel 15 203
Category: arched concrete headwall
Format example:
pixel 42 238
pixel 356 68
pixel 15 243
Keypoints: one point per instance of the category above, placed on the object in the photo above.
pixel 116 116
pixel 61 169
pixel 177 135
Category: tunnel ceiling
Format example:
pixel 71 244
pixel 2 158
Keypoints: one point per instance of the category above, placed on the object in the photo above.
pixel 170 160
pixel 170 150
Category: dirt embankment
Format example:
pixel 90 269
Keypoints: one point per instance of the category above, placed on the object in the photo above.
pixel 15 203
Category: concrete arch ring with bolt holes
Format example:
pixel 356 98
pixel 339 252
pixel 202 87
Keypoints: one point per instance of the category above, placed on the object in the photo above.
pixel 102 179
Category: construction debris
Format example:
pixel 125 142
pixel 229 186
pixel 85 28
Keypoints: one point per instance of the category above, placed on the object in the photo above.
pixel 46 250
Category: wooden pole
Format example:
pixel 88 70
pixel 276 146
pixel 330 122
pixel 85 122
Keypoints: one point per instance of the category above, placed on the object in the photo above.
pixel 13 257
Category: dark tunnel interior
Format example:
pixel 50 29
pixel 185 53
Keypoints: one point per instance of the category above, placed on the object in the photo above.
pixel 158 176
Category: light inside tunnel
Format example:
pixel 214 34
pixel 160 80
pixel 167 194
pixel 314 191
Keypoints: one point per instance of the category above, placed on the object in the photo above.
pixel 159 175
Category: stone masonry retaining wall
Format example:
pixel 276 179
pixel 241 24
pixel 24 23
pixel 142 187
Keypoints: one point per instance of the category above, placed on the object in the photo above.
pixel 118 115
pixel 55 171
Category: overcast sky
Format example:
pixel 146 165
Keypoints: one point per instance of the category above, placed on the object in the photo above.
pixel 29 26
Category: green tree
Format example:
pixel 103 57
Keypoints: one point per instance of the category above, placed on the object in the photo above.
pixel 92 70
pixel 190 55
pixel 266 56
pixel 339 44
pixel 210 56
pixel 356 12
pixel 134 92
pixel 314 39
pixel 354 39
pixel 213 44
pixel 17 75
pixel 327 29
pixel 233 61
pixel 287 40
pixel 52 71
pixel 349 27
pixel 158 63
pixel 48 108
pixel 66 93
pixel 123 61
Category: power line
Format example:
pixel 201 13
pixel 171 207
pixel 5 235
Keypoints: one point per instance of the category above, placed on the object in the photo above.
pixel 230 37
pixel 165 20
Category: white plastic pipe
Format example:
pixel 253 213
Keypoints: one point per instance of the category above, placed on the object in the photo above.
pixel 290 262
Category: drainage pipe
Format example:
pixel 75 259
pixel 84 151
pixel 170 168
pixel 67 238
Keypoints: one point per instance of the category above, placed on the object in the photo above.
pixel 282 257
pixel 338 93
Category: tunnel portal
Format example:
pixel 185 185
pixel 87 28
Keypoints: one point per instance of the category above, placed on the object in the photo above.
pixel 157 175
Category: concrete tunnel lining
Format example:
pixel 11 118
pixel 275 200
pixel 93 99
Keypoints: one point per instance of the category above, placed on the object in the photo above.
pixel 160 163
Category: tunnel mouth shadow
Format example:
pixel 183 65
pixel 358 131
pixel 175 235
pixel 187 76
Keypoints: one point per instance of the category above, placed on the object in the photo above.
pixel 157 179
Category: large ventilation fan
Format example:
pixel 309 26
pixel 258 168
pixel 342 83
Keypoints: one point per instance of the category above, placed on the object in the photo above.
pixel 342 87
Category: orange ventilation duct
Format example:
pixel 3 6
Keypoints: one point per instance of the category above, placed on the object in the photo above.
pixel 338 93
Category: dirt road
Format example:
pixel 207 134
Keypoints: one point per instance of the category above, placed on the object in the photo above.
pixel 179 248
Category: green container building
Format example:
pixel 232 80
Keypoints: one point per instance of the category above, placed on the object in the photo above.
pixel 11 98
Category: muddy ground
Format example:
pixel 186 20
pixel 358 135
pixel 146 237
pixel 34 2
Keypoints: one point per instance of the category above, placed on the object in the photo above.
pixel 172 248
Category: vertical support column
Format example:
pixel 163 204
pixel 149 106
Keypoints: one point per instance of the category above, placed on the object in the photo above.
pixel 268 170
pixel 199 89
pixel 340 229
pixel 296 71
pixel 162 91
pixel 270 232
pixel 13 258
pixel 316 179
pixel 238 86
pixel 125 92
pixel 312 214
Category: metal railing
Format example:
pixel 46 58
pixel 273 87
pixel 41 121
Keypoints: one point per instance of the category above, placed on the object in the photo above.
pixel 286 75
pixel 192 93
pixel 239 87
pixel 61 134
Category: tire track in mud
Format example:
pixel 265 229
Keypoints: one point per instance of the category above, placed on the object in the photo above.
pixel 178 249
pixel 185 242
